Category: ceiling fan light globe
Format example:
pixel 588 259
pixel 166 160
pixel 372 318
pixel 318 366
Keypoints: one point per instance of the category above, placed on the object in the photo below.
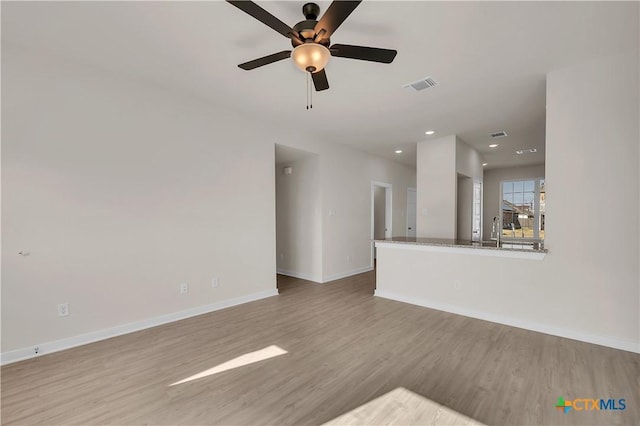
pixel 311 56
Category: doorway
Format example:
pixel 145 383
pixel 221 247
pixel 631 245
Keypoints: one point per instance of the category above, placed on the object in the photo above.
pixel 298 219
pixel 381 213
pixel 465 208
pixel 411 212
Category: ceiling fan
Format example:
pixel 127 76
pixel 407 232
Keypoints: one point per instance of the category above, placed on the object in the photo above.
pixel 310 39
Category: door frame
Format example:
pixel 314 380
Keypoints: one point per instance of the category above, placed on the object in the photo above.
pixel 388 212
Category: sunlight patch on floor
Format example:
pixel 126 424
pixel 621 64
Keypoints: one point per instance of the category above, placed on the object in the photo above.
pixel 246 359
pixel 402 407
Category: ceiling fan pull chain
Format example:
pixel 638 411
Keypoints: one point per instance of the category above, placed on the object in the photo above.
pixel 307 91
pixel 310 92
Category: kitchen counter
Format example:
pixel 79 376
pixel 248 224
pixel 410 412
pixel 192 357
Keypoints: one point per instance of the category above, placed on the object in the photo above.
pixel 507 246
pixel 475 279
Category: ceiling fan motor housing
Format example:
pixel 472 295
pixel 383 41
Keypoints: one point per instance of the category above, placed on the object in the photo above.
pixel 307 32
pixel 306 28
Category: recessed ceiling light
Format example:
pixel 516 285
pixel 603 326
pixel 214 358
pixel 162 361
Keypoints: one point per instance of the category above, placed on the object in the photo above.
pixel 493 145
pixel 429 132
pixel 484 164
pixel 398 151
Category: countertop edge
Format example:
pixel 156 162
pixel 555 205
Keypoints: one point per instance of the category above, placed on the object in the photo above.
pixel 463 246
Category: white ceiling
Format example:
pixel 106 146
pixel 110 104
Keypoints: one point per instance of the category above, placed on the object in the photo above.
pixel 489 58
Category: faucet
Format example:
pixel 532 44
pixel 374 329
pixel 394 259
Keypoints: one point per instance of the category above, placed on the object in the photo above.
pixel 496 231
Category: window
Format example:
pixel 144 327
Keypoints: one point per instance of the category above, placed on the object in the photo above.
pixel 523 209
pixel 477 212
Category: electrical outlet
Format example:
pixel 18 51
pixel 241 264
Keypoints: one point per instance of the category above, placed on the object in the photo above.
pixel 63 309
pixel 215 282
pixel 349 258
pixel 36 350
pixel 456 284
pixel 184 288
pixel 281 256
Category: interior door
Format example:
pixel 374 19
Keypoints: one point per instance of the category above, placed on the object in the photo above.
pixel 411 212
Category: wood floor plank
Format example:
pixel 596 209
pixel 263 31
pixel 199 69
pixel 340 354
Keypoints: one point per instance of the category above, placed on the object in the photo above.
pixel 345 348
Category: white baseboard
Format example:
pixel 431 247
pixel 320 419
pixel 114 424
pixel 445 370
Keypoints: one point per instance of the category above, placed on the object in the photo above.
pixel 612 342
pixel 94 336
pixel 347 274
pixel 297 275
pixel 327 279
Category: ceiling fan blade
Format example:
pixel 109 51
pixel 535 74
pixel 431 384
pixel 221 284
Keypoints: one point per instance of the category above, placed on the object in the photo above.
pixel 334 16
pixel 363 53
pixel 320 80
pixel 265 60
pixel 250 8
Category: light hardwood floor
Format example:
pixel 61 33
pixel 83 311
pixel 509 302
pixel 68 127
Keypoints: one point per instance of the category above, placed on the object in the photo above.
pixel 344 347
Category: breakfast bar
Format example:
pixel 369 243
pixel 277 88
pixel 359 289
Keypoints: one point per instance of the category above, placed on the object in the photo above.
pixel 488 280
pixel 533 250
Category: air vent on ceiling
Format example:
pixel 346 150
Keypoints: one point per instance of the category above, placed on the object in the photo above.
pixel 424 83
pixel 500 134
pixel 526 151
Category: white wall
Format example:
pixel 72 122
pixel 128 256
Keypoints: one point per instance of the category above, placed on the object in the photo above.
pixel 436 188
pixel 346 176
pixel 120 192
pixel 438 163
pixel 491 191
pixel 468 161
pixel 298 224
pixel 587 286
pixel 401 177
pixel 592 174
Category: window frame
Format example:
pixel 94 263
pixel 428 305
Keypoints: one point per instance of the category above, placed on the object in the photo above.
pixel 536 210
